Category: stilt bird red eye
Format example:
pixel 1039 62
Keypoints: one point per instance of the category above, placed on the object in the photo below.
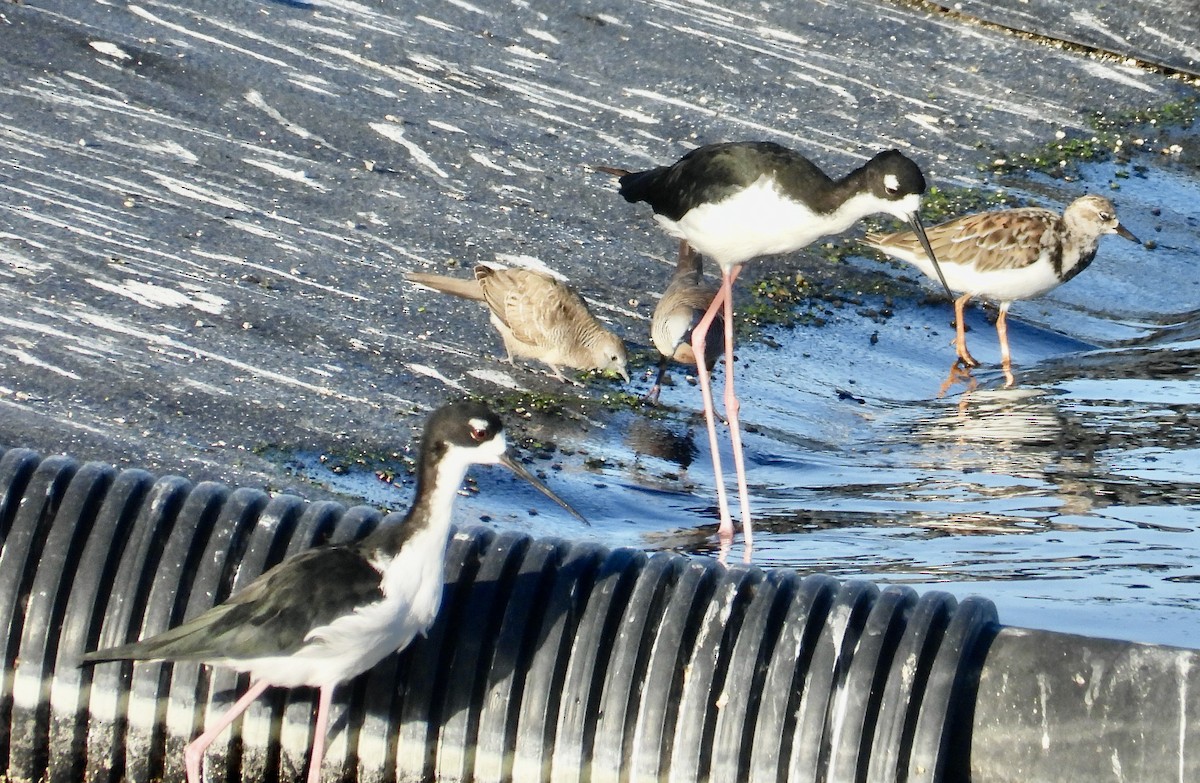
pixel 479 430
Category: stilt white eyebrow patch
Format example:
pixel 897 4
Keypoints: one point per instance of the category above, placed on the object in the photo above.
pixel 891 182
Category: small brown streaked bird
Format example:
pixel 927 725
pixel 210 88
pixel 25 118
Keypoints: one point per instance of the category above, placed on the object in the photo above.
pixel 538 317
pixel 1008 255
pixel 683 304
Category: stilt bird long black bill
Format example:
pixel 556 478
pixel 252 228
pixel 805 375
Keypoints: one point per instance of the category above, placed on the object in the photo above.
pixel 915 221
pixel 520 470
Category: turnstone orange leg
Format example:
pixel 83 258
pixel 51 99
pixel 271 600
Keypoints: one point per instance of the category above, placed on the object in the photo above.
pixel 960 331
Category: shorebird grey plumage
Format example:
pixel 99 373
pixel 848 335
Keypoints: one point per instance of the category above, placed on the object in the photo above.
pixel 683 304
pixel 538 317
pixel 739 200
pixel 332 612
pixel 1008 255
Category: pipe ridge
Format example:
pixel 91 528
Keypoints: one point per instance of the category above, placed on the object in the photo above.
pixel 133 560
pixel 859 697
pixel 902 693
pixel 210 567
pixel 50 589
pixel 805 615
pixel 168 598
pixel 959 657
pixel 830 664
pixel 591 655
pixel 82 619
pixel 629 663
pixel 538 717
pixel 513 652
pixel 23 547
pixel 478 622
pixel 672 642
pixel 707 671
pixel 16 468
pixel 743 693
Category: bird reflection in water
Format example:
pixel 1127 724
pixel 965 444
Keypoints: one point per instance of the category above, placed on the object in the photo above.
pixel 960 372
pixel 655 438
pixel 1015 432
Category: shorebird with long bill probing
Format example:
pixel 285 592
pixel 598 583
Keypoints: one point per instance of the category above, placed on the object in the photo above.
pixel 331 613
pixel 683 304
pixel 736 201
pixel 1008 255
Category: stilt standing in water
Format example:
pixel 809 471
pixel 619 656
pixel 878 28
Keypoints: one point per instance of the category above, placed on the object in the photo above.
pixel 736 201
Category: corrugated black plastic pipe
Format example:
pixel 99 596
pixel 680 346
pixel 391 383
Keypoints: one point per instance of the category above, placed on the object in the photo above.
pixel 550 660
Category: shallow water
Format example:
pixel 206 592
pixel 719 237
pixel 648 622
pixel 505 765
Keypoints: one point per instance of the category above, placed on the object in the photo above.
pixel 1071 500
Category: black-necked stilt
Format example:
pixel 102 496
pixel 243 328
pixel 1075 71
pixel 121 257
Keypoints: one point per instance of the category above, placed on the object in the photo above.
pixel 539 318
pixel 683 304
pixel 736 201
pixel 332 612
pixel 1008 255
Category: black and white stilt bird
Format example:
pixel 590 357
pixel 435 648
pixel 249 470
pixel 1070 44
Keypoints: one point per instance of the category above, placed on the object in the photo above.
pixel 332 612
pixel 736 201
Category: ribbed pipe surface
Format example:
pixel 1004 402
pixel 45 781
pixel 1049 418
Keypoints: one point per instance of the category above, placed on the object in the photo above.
pixel 550 660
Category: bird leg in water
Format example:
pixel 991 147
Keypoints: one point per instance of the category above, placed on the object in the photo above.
pixel 723 298
pixel 725 528
pixel 1005 356
pixel 960 332
pixel 732 408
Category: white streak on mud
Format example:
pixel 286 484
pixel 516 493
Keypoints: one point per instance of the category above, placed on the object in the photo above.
pixel 446 126
pixel 142 12
pixel 277 272
pixel 545 95
pixel 24 357
pixel 279 171
pixel 528 262
pixel 541 35
pixel 157 297
pixel 396 133
pixel 255 99
pixel 805 140
pixel 497 377
pixel 198 192
pixel 1125 76
pixel 128 330
pixel 111 50
pixel 486 162
pixel 1185 47
pixel 429 372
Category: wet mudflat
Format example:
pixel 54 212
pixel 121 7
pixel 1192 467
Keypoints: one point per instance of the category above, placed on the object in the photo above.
pixel 205 215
